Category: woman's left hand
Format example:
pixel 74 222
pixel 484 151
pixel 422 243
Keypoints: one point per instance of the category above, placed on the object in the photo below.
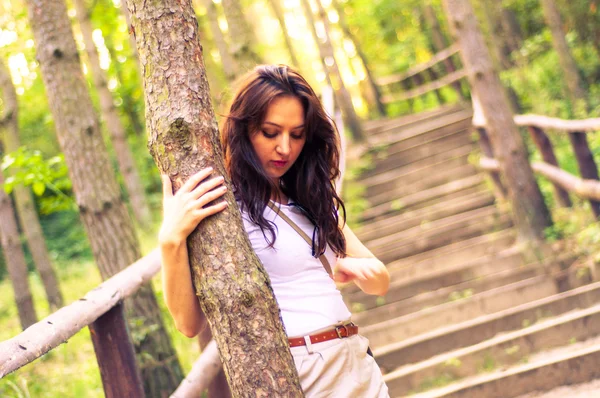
pixel 369 274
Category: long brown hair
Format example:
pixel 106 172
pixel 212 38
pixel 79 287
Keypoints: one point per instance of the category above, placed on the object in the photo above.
pixel 310 181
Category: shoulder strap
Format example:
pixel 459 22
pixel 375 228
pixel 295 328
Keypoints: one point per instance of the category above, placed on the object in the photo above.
pixel 302 234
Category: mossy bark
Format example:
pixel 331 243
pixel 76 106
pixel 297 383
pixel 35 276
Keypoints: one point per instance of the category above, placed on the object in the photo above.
pixel 233 288
pixel 102 210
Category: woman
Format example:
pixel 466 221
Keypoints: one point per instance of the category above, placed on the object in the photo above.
pixel 281 152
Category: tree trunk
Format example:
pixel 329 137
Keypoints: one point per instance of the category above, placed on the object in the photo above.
pixel 108 110
pixel 230 66
pixel 104 215
pixel 279 14
pixel 363 58
pixel 342 95
pixel 232 286
pixel 575 89
pixel 241 36
pixel 439 42
pixel 530 213
pixel 30 222
pixel 15 260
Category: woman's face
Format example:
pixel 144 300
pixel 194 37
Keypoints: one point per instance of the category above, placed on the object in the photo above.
pixel 281 137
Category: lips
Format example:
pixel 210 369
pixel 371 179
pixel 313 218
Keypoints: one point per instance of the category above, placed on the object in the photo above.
pixel 279 163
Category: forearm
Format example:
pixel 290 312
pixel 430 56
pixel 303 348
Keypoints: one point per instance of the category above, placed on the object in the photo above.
pixel 377 281
pixel 178 289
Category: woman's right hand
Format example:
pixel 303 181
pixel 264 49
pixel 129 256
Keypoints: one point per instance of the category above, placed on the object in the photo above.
pixel 183 211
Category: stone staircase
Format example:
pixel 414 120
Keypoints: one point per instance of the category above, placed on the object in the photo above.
pixel 466 314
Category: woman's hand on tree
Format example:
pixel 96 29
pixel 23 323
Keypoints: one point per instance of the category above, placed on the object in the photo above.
pixel 183 211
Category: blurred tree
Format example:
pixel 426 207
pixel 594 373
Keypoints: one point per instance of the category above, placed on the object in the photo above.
pixel 361 54
pixel 574 85
pixel 116 130
pixel 15 260
pixel 241 36
pixel 229 65
pixel 101 207
pixel 278 11
pixel 26 210
pixel 530 214
pixel 344 100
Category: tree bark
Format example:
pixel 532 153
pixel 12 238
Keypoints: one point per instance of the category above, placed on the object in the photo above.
pixel 15 260
pixel 233 288
pixel 363 58
pixel 230 66
pixel 331 69
pixel 108 110
pixel 241 36
pixel 218 387
pixel 28 216
pixel 574 84
pixel 279 14
pixel 104 215
pixel 530 213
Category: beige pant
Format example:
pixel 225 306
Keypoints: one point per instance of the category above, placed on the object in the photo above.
pixel 339 368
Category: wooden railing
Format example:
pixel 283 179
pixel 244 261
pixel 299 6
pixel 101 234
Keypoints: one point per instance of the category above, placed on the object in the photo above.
pixel 587 186
pixel 423 79
pixel 102 310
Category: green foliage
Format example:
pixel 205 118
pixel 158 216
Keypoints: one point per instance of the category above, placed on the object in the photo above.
pixel 28 168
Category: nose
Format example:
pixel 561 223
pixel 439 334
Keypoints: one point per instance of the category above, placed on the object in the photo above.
pixel 283 146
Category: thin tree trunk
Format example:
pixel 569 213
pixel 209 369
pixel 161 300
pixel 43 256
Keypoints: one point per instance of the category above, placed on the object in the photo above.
pixel 575 89
pixel 530 213
pixel 241 36
pixel 232 286
pixel 439 42
pixel 15 260
pixel 28 216
pixel 230 66
pixel 129 104
pixel 108 110
pixel 104 215
pixel 279 14
pixel 363 58
pixel 218 387
pixel 342 94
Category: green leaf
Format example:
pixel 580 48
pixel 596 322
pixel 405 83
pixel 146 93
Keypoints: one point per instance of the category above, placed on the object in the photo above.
pixel 39 188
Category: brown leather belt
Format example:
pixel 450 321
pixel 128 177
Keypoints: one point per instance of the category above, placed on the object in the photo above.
pixel 339 332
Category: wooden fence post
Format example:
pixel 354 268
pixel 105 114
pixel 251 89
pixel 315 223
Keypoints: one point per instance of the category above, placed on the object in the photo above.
pixel 543 143
pixel 115 355
pixel 486 148
pixel 585 159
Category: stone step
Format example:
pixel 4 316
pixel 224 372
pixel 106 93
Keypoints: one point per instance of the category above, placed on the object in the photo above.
pixel 566 367
pixel 495 300
pixel 375 127
pixel 512 271
pixel 419 132
pixel 441 233
pixel 430 196
pixel 421 347
pixel 404 154
pixel 424 180
pixel 498 352
pixel 409 173
pixel 426 279
pixel 409 219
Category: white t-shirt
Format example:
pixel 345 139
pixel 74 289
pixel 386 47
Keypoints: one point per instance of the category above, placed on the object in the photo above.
pixel 308 298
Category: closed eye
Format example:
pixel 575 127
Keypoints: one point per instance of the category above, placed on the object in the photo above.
pixel 269 135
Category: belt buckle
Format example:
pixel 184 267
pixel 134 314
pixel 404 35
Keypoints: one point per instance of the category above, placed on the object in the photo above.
pixel 338 330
